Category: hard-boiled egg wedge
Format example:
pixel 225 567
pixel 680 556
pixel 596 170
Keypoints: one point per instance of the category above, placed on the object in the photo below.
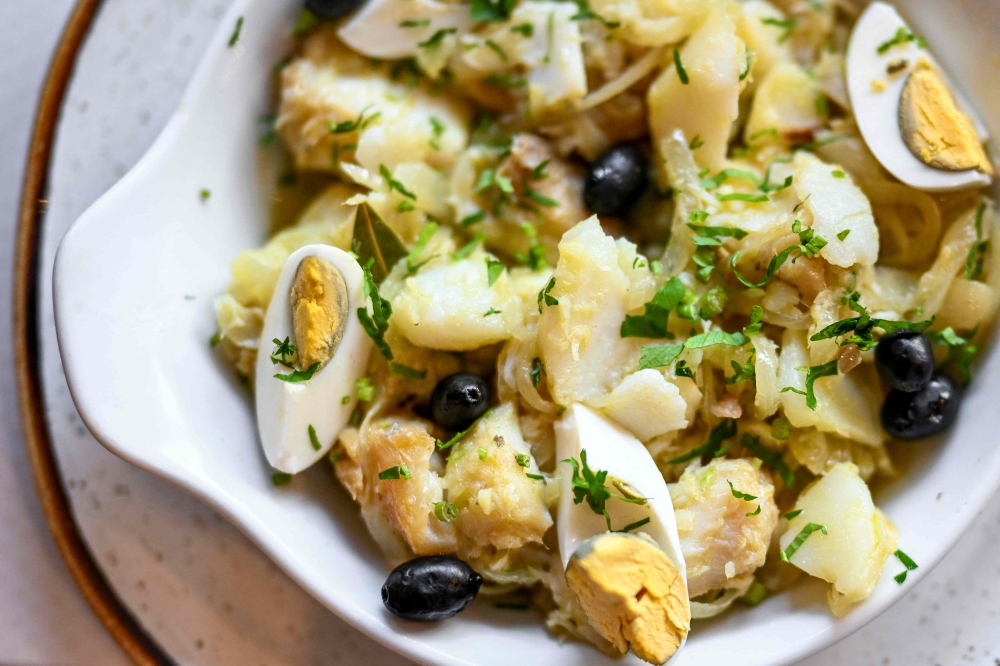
pixel 632 584
pixel 321 350
pixel 907 111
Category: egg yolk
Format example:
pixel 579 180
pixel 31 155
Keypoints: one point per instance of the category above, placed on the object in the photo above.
pixel 934 128
pixel 632 594
pixel 319 311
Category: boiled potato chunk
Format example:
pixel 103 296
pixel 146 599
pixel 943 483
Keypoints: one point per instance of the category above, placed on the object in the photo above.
pixel 498 504
pixel 708 104
pixel 859 537
pixel 450 305
pixel 785 101
pixel 646 404
pixel 580 337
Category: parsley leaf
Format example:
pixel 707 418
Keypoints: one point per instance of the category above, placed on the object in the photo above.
pixel 408 372
pixel 418 249
pixel 589 485
pixel 658 356
pixel 494 269
pixel 299 375
pixel 801 539
pixel 236 32
pixel 743 373
pixel 313 439
pixel 710 338
pixel 907 562
pixel 813 373
pixel 397 472
pixel 491 11
pixel 902 36
pixel 681 72
pixel 756 314
pixel 863 325
pixel 535 259
pixel 395 184
pixel 793 514
pixel 974 261
pixel 960 352
pixel 283 350
pixel 537 370
pixel 706 235
pixel 354 125
pixel 436 39
pixel 377 323
pixel 720 433
pixel 467 249
pixel 771 458
pixel 653 322
pixel 787 27
pixel 281 478
pixel 545 297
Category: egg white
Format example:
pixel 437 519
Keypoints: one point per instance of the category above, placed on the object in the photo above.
pixel 286 410
pixel 877 113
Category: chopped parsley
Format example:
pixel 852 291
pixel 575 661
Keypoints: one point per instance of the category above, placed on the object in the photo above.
pixel 738 495
pixel 365 388
pixel 719 434
pixel 974 261
pixel 634 526
pixel 902 36
pixel 494 269
pixel 837 173
pixel 907 562
pixel 545 298
pixel 843 234
pixel 281 478
pixel 696 142
pixel 681 370
pixel 483 454
pixel 801 539
pixel 768 131
pixel 493 46
pixel 724 175
pixel 536 477
pixel 446 512
pixel 653 322
pixel 813 373
pixel 863 325
pixel 710 338
pixel 435 40
pixel 313 439
pixel 681 72
pixel 523 29
pixel 474 218
pixel 397 472
pixel 467 249
pixel 747 371
pixel 523 459
pixel 960 352
pixel 589 485
pixel 742 196
pixel 415 23
pixel 282 352
pixel 535 259
pixel 754 513
pixel 756 314
pixel 408 372
pixel 299 375
pixel 507 80
pixel 787 27
pixel 405 206
pixel 236 32
pixel 539 198
pixel 412 266
pixel 793 514
pixel 204 194
pixel 771 458
pixel 537 370
pixel 810 245
pixel 377 323
pixel 584 13
pixel 658 356
pixel 304 23
pixel 395 184
pixel 710 236
pixel 215 339
pixel 355 125
pixel 438 128
pixel 491 11
pixel 459 435
pixel 538 173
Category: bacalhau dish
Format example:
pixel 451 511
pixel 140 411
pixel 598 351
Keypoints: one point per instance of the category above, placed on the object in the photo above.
pixel 614 311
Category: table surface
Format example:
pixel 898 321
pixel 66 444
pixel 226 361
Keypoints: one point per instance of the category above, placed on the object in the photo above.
pixel 949 618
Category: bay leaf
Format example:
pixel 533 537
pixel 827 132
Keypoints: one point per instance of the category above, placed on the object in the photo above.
pixel 374 239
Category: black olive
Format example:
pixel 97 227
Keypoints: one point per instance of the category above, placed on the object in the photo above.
pixel 458 400
pixel 331 9
pixel 430 588
pixel 616 179
pixel 905 360
pixel 926 412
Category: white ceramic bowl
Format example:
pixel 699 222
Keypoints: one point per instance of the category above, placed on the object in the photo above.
pixel 141 372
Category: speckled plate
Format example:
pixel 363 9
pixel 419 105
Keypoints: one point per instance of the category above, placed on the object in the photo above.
pixel 201 590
